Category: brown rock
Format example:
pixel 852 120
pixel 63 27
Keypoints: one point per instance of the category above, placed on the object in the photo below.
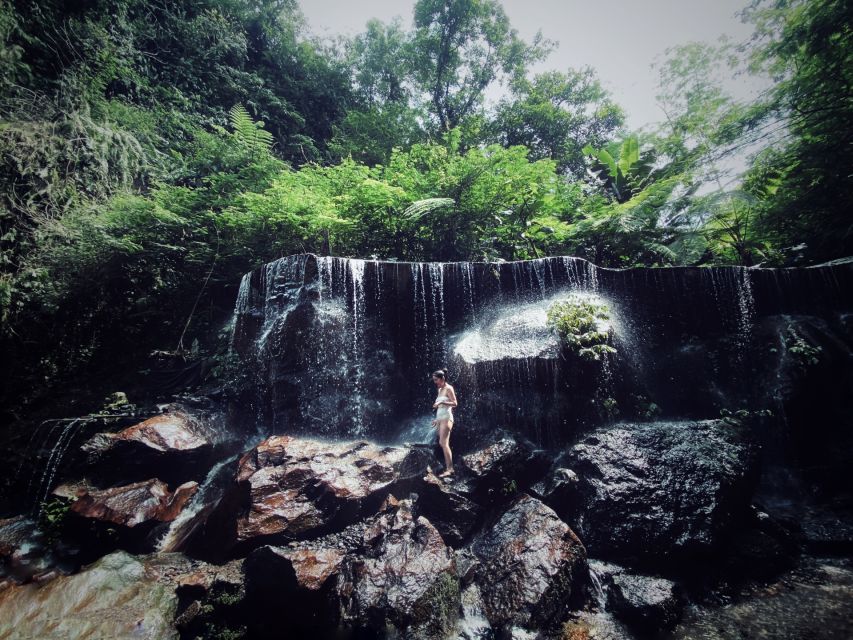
pixel 133 504
pixel 391 570
pixel 174 446
pixel 176 431
pixel 298 487
pixel 314 566
pixel 405 575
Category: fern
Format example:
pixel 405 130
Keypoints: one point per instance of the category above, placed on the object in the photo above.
pixel 420 208
pixel 247 131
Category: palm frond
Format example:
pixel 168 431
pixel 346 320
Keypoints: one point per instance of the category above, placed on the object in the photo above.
pixel 422 207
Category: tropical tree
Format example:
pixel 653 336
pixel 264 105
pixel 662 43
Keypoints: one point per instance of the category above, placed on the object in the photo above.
pixel 459 48
pixel 555 115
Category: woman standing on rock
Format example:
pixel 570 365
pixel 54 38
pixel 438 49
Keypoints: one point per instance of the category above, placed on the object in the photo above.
pixel 443 406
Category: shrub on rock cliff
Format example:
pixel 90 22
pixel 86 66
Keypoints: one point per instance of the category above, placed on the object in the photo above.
pixel 583 326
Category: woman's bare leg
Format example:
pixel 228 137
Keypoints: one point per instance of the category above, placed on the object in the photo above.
pixel 444 428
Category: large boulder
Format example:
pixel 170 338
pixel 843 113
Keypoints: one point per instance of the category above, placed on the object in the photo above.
pixel 452 513
pixel 501 469
pixel 131 505
pixel 175 446
pixel 645 603
pixel 300 488
pixel 533 567
pixel 391 570
pixel 113 598
pixel 662 490
pixel 131 517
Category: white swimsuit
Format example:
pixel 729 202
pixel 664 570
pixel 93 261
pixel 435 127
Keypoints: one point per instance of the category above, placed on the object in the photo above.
pixel 443 412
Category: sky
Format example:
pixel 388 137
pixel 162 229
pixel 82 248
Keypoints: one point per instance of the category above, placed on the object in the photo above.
pixel 620 39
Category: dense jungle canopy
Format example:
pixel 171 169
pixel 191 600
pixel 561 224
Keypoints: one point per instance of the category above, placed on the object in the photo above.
pixel 151 152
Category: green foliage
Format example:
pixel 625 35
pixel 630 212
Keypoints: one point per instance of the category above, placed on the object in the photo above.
pixel 581 324
pixel 644 408
pixel 151 153
pixel 53 514
pixel 556 115
pixel 509 487
pixel 248 132
pixel 623 171
pixel 742 418
pixel 459 48
pixel 219 614
pixel 804 354
pixel 610 408
pixel 804 180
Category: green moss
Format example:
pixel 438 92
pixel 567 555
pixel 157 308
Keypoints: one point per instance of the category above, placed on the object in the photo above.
pixel 439 606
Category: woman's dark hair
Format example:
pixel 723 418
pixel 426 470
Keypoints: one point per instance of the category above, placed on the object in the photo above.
pixel 441 373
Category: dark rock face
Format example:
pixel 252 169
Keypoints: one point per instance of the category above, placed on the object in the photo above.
pixel 299 488
pixel 406 576
pixel 141 503
pixel 13 533
pixel 558 489
pixel 532 566
pixel 645 603
pixel 175 446
pixel 453 514
pixel 391 570
pixel 661 490
pixel 502 468
pixel 24 552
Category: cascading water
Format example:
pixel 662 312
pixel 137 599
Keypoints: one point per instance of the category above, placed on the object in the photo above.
pixel 53 460
pixel 345 347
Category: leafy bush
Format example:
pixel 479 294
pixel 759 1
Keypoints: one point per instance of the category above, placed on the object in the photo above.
pixel 581 324
pixel 805 355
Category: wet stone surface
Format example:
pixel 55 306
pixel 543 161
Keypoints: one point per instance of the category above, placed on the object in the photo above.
pixel 393 569
pixel 300 488
pixel 661 490
pixel 532 566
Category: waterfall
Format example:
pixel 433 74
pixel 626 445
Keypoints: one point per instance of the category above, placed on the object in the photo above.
pixel 344 347
pixel 54 460
pixel 192 515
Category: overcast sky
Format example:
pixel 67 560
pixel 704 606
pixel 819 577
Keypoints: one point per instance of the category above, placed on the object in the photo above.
pixel 619 38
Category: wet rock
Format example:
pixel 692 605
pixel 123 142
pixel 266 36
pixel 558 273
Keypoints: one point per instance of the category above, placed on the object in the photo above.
pixel 645 603
pixel 210 597
pixel 405 576
pixel 299 488
pixel 392 570
pixel 453 514
pixel 827 528
pixel 533 566
pixel 558 489
pixel 661 490
pixel 25 554
pixel 812 601
pixel 760 550
pixel 501 469
pixel 519 333
pixel 298 339
pixel 112 598
pixel 141 503
pixel 13 533
pixel 175 446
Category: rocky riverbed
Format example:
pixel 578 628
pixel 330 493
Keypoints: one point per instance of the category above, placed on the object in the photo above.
pixel 637 530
